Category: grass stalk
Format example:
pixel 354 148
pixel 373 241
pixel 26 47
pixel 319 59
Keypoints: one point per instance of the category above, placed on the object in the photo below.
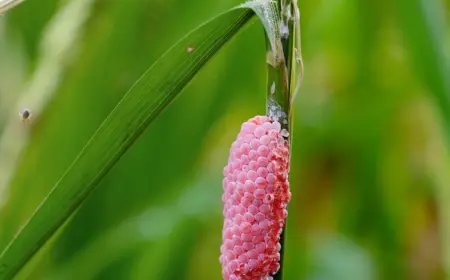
pixel 284 73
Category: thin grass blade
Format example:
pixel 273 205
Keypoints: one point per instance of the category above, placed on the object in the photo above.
pixel 424 32
pixel 152 93
pixel 6 5
pixel 424 26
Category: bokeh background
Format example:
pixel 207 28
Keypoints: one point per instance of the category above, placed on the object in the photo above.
pixel 370 164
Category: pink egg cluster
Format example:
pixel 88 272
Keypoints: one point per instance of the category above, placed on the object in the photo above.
pixel 256 193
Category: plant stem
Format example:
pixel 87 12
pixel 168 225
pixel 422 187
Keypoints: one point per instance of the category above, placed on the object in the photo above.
pixel 283 78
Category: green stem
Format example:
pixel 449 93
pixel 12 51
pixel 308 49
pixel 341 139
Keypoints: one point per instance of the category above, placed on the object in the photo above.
pixel 283 78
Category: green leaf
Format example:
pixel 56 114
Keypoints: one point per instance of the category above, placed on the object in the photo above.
pixel 424 30
pixel 153 227
pixel 152 93
pixel 6 5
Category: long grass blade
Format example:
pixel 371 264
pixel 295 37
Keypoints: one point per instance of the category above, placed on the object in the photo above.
pixel 6 5
pixel 424 32
pixel 152 93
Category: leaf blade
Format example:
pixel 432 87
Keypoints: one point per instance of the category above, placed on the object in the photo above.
pixel 153 92
pixel 423 29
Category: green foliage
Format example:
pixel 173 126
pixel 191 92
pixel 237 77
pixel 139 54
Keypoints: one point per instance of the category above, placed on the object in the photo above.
pixel 151 94
pixel 369 159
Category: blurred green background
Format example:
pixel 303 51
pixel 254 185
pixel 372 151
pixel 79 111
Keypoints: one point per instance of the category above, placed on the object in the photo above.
pixel 370 161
